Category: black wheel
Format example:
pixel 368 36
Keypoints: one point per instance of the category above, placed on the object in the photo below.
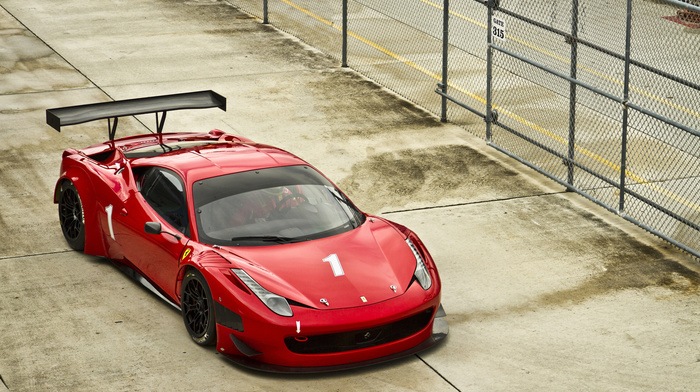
pixel 198 309
pixel 70 214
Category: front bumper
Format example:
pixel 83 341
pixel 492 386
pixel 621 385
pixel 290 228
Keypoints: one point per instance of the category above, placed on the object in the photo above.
pixel 337 338
pixel 439 330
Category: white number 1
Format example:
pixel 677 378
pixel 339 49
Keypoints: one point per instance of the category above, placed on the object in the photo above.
pixel 335 264
pixel 108 210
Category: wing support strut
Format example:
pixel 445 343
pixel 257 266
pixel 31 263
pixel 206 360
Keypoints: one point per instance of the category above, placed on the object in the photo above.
pixel 112 129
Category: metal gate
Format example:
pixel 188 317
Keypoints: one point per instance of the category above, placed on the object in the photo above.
pixel 600 96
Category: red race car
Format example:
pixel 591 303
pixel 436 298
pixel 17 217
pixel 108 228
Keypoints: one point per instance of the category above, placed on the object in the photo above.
pixel 265 257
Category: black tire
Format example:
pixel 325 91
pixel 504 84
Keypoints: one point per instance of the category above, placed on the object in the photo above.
pixel 198 309
pixel 70 215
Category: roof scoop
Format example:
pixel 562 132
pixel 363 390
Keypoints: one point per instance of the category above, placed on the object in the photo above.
pixel 72 115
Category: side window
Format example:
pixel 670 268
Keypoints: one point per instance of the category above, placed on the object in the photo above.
pixel 164 191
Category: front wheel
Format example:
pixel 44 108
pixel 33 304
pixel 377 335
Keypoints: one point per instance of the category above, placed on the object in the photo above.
pixel 70 214
pixel 198 309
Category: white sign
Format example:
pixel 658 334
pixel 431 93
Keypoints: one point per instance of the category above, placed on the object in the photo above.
pixel 498 28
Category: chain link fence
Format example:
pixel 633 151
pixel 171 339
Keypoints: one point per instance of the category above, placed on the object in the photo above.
pixel 605 96
pixel 601 96
pixel 398 45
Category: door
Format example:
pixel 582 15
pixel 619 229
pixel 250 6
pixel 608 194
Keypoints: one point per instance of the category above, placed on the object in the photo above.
pixel 160 198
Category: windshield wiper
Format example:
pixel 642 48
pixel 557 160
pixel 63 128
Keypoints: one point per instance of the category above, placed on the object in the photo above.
pixel 351 216
pixel 265 238
pixel 337 195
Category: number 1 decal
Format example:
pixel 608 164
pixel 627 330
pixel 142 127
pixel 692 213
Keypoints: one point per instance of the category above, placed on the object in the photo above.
pixel 335 264
pixel 108 210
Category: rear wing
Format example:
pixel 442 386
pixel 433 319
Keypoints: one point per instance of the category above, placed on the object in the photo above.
pixel 72 115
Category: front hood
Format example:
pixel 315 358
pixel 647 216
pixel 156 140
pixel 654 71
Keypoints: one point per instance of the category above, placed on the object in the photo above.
pixel 373 258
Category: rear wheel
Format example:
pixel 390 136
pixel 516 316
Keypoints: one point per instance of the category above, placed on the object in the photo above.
pixel 70 214
pixel 198 309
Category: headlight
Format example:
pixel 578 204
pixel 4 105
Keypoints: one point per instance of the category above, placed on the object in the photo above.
pixel 421 273
pixel 277 304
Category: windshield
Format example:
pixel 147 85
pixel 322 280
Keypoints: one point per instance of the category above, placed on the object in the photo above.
pixel 271 206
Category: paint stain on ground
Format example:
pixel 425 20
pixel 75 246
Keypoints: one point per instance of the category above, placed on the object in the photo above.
pixel 433 176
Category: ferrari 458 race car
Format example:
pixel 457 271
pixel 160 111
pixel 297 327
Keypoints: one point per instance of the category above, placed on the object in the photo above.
pixel 265 257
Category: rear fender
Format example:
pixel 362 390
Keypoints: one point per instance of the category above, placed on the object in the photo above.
pixel 93 237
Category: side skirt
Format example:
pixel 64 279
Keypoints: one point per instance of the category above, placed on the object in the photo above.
pixel 134 275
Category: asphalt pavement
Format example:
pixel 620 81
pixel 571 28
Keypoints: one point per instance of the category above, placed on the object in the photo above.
pixel 543 289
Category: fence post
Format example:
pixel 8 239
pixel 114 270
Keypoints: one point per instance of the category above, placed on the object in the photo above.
pixel 345 34
pixel 445 49
pixel 491 4
pixel 265 19
pixel 573 41
pixel 625 108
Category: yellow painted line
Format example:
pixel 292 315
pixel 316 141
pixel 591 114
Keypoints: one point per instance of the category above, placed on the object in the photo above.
pixel 639 180
pixel 441 8
pixel 508 113
pixel 363 40
pixel 604 76
pixel 568 61
pixel 311 14
pixel 396 56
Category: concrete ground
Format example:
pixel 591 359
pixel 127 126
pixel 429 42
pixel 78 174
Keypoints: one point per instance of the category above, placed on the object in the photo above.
pixel 543 290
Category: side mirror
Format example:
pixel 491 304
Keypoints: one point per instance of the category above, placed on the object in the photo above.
pixel 152 228
pixel 156 228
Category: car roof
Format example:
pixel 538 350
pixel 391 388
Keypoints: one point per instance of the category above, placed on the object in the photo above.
pixel 197 163
pixel 202 155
